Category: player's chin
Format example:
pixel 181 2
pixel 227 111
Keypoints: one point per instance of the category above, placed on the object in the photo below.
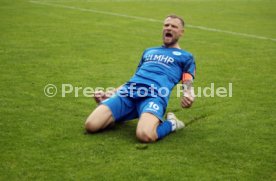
pixel 169 42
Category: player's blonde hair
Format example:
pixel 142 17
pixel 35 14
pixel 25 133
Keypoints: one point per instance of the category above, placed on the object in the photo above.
pixel 177 17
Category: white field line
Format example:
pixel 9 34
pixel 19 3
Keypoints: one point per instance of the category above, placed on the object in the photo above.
pixel 152 20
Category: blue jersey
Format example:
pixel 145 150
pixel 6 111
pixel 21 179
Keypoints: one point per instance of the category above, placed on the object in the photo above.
pixel 163 67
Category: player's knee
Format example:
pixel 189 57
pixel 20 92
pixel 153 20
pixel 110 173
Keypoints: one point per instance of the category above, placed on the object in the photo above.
pixel 91 126
pixel 145 135
pixel 98 119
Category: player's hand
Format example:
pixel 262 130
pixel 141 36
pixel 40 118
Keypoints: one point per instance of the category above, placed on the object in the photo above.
pixel 187 100
pixel 100 96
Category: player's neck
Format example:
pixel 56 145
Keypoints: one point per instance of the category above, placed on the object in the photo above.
pixel 173 46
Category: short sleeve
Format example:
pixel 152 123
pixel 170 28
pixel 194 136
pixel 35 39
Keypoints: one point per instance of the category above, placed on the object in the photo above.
pixel 190 66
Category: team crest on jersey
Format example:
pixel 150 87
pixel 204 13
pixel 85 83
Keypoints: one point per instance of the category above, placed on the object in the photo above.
pixel 176 53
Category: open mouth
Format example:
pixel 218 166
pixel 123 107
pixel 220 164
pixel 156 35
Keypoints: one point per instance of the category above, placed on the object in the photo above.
pixel 168 35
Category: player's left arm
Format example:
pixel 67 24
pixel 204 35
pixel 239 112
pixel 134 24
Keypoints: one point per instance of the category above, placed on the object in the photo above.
pixel 188 93
pixel 188 75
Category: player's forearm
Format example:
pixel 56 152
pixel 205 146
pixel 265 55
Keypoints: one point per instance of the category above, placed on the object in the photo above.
pixel 188 94
pixel 187 87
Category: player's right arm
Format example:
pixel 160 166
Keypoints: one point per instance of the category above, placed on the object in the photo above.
pixel 100 96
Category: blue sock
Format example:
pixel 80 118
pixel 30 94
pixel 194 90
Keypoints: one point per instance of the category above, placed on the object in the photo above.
pixel 164 129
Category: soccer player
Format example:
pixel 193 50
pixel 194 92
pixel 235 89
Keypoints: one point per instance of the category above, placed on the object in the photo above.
pixel 146 94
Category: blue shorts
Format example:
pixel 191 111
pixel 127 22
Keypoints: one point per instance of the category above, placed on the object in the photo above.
pixel 128 108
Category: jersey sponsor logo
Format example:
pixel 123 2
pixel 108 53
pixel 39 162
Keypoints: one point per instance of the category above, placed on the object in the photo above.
pixel 160 58
pixel 176 53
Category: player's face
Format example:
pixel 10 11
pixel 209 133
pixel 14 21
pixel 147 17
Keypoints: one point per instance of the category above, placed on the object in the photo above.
pixel 172 31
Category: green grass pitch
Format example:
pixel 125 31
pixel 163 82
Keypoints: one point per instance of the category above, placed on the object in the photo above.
pixel 91 43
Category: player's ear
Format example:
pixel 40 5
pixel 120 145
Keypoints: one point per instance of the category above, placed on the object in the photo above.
pixel 182 32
